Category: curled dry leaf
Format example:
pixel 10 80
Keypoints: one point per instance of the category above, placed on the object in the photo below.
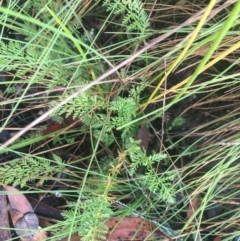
pixel 4 222
pixel 18 203
pixel 25 221
pixel 27 225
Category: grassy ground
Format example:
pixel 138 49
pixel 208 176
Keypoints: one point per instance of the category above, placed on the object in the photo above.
pixel 116 109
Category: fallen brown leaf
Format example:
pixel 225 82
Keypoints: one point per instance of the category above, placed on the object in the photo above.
pixel 192 207
pixel 143 136
pixel 18 203
pixel 4 222
pixel 218 238
pixel 23 217
pixel 131 228
pixel 128 228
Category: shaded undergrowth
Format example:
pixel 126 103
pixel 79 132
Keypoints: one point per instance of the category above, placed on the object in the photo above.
pixel 148 138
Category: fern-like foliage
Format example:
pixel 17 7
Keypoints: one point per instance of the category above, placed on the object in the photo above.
pixel 134 15
pixel 91 110
pixel 177 122
pixel 90 218
pixel 126 109
pixel 139 158
pixel 159 185
pixel 26 60
pixel 22 170
pixel 31 56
